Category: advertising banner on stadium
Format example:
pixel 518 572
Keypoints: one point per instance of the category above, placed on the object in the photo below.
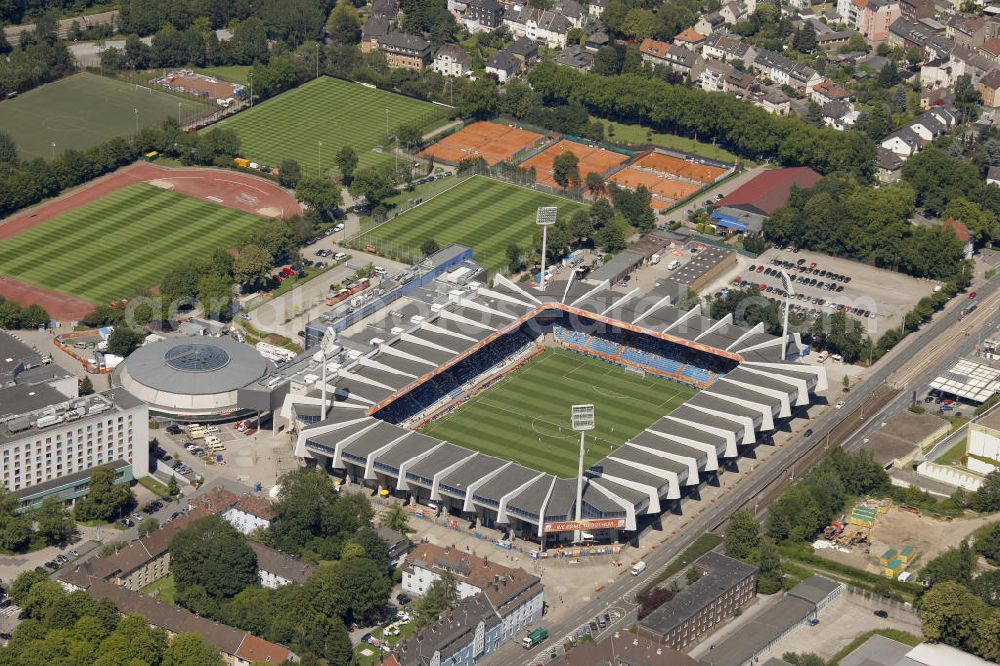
pixel 572 525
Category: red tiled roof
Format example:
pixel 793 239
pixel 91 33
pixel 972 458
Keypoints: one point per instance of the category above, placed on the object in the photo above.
pixel 770 190
pixel 991 46
pixel 258 651
pixel 256 505
pixel 654 48
pixel 689 35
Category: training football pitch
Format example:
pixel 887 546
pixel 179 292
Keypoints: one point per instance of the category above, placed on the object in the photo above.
pixel 314 121
pixel 85 109
pixel 110 248
pixel 525 417
pixel 485 214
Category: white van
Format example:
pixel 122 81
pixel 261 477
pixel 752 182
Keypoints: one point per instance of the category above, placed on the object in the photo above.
pixel 673 264
pixel 212 440
pixel 822 356
pixel 638 568
pixel 212 430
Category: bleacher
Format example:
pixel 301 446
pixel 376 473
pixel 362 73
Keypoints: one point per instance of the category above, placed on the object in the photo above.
pixel 641 354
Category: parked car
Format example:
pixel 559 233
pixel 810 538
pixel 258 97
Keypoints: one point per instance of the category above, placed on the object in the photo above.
pixel 881 613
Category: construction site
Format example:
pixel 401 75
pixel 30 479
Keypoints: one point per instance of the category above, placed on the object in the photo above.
pixel 895 541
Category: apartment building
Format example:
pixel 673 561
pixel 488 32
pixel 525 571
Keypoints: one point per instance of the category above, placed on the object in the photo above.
pixel 403 51
pixel 49 443
pixel 871 18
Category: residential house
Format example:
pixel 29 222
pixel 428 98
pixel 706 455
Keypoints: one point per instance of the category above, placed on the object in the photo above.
pixel 276 569
pixel 572 10
pixel 576 57
pixel 689 38
pixel 596 41
pixel 720 76
pixel 403 51
pixel 785 71
pixel 596 7
pixel 840 115
pixel 904 142
pixel 888 166
pixel 989 90
pixel 710 23
pixel 775 102
pixel 917 9
pixel 250 513
pixel 732 12
pixel 452 60
pixel 832 39
pixel 871 18
pixel 503 65
pixel 678 58
pixel 540 25
pixel 991 49
pixel 399 543
pixel 728 48
pixel 827 91
pixel 963 234
pixel 525 50
pixel 971 61
pixel 387 8
pixel 466 635
pixel 483 16
pixel 374 29
pixel 968 31
pixel 514 594
pixel 904 34
pixel 913 136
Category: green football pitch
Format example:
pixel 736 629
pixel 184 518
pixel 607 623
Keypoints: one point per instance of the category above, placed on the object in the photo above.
pixel 110 248
pixel 85 109
pixel 485 214
pixel 525 417
pixel 311 123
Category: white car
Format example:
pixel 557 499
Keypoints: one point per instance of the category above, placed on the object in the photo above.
pixel 340 256
pixel 338 228
pixel 840 404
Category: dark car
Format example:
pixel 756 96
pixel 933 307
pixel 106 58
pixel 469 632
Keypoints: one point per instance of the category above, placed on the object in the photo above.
pixel 881 613
pixel 808 433
pixel 174 429
pixel 403 599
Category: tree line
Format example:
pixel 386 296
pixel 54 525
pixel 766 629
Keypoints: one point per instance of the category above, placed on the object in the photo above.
pixel 13 316
pixel 736 125
pixel 215 570
pixel 63 627
pixel 38 57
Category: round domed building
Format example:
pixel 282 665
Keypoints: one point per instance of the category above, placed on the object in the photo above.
pixel 192 377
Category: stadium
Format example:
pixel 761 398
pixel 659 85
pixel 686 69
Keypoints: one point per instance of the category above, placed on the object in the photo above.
pixel 460 401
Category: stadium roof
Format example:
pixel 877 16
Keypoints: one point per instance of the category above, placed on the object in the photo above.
pixel 196 366
pixel 975 380
pixel 770 190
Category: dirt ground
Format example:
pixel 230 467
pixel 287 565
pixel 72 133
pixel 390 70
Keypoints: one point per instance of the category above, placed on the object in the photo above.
pixel 898 529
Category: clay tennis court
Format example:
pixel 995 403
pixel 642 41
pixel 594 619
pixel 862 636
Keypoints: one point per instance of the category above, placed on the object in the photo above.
pixel 668 164
pixel 244 192
pixel 493 142
pixel 592 160
pixel 660 186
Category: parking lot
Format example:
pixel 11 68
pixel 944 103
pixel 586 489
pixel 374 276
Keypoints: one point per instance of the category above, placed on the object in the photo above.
pixel 822 285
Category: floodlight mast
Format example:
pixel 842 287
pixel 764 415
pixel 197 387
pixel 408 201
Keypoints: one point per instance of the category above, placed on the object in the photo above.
pixel 325 346
pixel 582 420
pixel 545 217
pixel 789 291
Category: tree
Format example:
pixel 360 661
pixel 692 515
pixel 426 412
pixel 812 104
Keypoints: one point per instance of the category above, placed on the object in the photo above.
pixel 210 553
pixel 191 650
pixel 693 575
pixel 180 283
pixel 888 76
pixel 132 642
pixel 595 183
pixel 479 99
pixel 53 520
pixel 22 585
pixel 441 595
pixel 373 183
pixel 987 498
pixel 397 519
pixel 804 659
pixel 565 169
pixel 173 488
pixel 814 114
pixel 253 264
pixel 344 26
pixel 105 499
pixel 639 24
pixel 409 135
pixel 249 42
pixel 123 340
pixel 86 386
pixel 955 564
pixel 515 258
pixel 986 586
pixel 346 161
pixel 8 149
pixel 771 574
pixel 613 236
pixel 148 526
pixel 215 296
pixel 805 39
pixel 967 97
pixel 948 613
pixel 429 247
pixel 321 194
pixel 742 534
pixel 290 173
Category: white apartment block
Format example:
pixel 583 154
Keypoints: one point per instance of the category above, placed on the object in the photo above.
pixel 48 443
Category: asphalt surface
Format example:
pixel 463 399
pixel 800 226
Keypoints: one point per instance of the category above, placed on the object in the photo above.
pixel 904 370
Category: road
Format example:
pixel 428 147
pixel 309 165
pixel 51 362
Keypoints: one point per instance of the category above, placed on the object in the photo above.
pixel 889 387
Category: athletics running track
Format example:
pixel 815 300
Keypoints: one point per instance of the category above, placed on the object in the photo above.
pixel 232 189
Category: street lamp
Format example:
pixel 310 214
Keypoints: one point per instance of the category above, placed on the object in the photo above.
pixel 319 158
pixel 250 79
pixel 53 151
pixel 325 349
pixel 136 109
pixel 789 292
pixel 545 217
pixel 582 420
pixel 179 112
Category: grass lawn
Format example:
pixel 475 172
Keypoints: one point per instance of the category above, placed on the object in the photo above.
pixel 231 73
pixel 153 486
pixel 701 545
pixel 525 417
pixel 953 455
pixel 638 134
pixel 110 248
pixel 162 589
pixel 893 634
pixel 487 215
pixel 83 110
pixel 331 111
